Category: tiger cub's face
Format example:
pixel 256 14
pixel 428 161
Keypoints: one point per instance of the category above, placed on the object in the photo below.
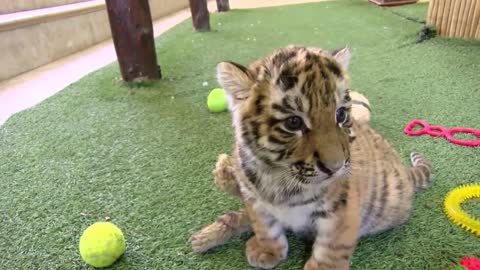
pixel 291 111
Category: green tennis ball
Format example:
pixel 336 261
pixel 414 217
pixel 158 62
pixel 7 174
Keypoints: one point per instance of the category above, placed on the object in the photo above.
pixel 101 244
pixel 217 100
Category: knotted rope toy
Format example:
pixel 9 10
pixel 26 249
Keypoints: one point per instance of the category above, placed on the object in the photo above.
pixel 439 131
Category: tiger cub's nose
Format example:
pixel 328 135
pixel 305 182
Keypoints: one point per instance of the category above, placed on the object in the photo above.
pixel 331 168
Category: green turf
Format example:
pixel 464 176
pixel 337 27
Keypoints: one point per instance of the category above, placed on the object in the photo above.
pixel 143 156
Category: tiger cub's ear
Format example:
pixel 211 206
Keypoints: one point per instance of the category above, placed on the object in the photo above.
pixel 343 57
pixel 235 79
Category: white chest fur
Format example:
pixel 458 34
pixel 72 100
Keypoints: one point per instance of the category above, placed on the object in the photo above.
pixel 295 212
pixel 296 218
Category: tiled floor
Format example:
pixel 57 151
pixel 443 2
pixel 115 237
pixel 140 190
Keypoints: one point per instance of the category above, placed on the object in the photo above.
pixel 31 88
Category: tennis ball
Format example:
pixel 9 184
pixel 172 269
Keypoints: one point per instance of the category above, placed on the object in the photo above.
pixel 101 244
pixel 217 100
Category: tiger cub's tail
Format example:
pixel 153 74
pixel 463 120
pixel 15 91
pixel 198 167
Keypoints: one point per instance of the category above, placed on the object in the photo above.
pixel 421 171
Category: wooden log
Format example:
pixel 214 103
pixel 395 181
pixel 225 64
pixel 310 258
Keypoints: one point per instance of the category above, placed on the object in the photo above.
pixel 434 18
pixel 429 12
pixel 454 12
pixel 447 17
pixel 463 18
pixel 440 17
pixel 477 35
pixel 200 15
pixel 475 20
pixel 223 5
pixel 432 12
pixel 470 10
pixel 132 33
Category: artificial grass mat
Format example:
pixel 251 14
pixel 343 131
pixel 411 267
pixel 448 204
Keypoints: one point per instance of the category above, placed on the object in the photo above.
pixel 143 155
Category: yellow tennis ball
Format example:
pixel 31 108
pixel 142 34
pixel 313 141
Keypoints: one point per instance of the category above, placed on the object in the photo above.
pixel 217 100
pixel 101 244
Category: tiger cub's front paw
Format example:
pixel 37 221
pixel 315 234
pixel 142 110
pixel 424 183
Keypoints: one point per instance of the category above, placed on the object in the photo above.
pixel 313 264
pixel 265 254
pixel 224 175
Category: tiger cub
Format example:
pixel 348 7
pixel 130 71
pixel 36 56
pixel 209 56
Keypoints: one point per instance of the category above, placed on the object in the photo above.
pixel 303 164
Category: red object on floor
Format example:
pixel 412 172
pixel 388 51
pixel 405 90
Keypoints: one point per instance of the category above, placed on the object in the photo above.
pixel 439 131
pixel 471 263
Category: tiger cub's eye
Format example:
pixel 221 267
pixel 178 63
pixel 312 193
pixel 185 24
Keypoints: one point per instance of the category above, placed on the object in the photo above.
pixel 294 123
pixel 341 115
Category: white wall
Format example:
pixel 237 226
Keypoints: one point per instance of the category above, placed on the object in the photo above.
pixel 26 48
pixel 9 6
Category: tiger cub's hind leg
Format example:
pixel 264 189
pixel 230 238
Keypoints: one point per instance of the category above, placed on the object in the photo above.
pixel 220 231
pixel 391 200
pixel 229 224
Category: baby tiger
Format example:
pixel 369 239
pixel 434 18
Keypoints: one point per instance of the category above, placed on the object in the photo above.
pixel 302 163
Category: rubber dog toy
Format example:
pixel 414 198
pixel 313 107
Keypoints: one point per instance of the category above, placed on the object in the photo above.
pixel 452 203
pixel 439 131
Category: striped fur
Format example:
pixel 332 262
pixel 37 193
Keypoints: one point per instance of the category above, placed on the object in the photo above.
pixel 329 177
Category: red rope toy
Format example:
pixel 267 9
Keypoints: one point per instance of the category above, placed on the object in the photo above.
pixel 439 131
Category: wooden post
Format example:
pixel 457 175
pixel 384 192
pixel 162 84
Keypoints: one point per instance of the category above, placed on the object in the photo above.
pixel 430 19
pixel 132 33
pixel 444 5
pixel 453 21
pixel 223 5
pixel 433 8
pixel 200 15
pixel 455 18
pixel 475 21
pixel 462 19
pixel 471 10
